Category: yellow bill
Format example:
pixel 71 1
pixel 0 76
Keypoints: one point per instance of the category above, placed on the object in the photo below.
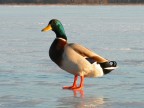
pixel 47 28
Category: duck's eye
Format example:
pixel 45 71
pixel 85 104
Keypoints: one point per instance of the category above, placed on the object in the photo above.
pixel 54 22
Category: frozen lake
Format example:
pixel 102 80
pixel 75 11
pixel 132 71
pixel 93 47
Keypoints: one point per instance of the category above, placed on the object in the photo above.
pixel 29 79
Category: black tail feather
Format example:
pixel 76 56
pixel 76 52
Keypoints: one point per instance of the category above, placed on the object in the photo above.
pixel 108 64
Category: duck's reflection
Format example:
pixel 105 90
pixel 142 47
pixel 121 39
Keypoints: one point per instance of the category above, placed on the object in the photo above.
pixel 79 100
pixel 78 93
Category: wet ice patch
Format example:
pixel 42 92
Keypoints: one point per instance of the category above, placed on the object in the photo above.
pixel 9 101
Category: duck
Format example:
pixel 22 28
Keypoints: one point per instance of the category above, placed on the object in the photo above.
pixel 75 58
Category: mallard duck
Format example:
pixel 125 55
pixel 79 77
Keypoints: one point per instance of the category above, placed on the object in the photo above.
pixel 75 58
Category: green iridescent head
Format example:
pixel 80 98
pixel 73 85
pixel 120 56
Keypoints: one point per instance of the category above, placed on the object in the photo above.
pixel 56 26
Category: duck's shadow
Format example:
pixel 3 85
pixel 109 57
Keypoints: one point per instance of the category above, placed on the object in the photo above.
pixel 80 100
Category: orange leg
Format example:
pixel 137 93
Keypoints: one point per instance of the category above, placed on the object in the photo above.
pixel 81 84
pixel 74 86
pixel 74 83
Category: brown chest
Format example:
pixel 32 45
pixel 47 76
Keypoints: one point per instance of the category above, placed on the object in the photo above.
pixel 56 50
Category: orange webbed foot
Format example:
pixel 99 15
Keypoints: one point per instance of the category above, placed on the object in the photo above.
pixel 69 87
pixel 78 88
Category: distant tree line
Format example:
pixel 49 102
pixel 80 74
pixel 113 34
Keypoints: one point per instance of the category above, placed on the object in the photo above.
pixel 69 1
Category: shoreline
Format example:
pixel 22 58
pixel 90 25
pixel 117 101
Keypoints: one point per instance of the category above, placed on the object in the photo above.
pixel 59 4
